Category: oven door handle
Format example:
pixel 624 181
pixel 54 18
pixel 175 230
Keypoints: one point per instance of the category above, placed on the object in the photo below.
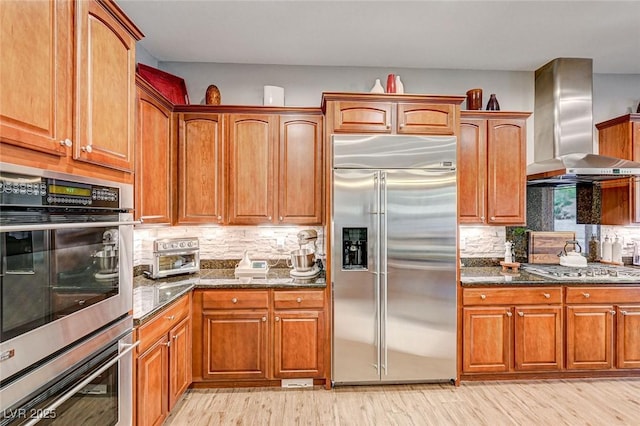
pixel 46 226
pixel 126 349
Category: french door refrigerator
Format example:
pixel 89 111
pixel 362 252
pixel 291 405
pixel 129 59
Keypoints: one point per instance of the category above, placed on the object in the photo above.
pixel 393 264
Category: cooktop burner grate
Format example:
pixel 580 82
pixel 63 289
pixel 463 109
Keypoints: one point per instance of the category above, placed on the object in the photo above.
pixel 592 272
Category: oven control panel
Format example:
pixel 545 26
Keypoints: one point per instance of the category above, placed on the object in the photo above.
pixel 30 191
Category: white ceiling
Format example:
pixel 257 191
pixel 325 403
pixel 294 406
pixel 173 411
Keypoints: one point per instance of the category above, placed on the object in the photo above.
pixel 482 35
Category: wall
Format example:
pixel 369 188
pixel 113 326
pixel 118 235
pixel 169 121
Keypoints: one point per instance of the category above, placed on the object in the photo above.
pixel 226 242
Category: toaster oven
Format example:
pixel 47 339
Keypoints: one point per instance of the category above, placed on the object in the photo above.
pixel 174 256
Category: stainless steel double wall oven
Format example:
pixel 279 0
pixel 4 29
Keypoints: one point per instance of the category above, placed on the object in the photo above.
pixel 66 253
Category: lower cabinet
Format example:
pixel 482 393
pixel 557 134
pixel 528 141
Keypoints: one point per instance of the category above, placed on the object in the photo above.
pixel 258 335
pixel 512 329
pixel 163 365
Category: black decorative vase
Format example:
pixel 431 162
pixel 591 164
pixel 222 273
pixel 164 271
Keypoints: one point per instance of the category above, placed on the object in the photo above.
pixel 493 104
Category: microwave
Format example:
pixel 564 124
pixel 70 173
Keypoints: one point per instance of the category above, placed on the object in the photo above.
pixel 174 256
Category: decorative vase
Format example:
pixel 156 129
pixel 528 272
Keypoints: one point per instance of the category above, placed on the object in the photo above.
pixel 377 87
pixel 399 85
pixel 391 83
pixel 493 104
pixel 213 95
pixel 474 99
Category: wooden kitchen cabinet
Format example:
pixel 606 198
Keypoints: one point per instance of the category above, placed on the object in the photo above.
pixel 392 114
pixel 163 364
pixel 155 157
pixel 275 168
pixel 512 330
pixel 602 328
pixel 492 168
pixel 620 198
pixel 258 335
pixel 70 66
pixel 201 169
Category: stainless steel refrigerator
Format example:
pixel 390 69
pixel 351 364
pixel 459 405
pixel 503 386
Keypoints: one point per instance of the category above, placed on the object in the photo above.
pixel 393 265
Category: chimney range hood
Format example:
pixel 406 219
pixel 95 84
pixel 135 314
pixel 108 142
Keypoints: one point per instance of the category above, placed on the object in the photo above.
pixel 563 128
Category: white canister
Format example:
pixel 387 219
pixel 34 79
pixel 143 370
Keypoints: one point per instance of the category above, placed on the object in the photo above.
pixel 273 96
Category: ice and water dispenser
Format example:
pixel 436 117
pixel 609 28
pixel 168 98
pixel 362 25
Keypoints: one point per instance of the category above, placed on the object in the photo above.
pixel 354 248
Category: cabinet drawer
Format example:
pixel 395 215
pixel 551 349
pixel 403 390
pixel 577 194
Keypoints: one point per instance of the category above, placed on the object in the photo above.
pixel 235 299
pixel 162 322
pixel 372 117
pixel 432 119
pixel 298 299
pixel 611 295
pixel 512 296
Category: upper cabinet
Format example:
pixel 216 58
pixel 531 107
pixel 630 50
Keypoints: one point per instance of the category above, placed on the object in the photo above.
pixel 155 157
pixel 492 168
pixel 391 113
pixel 70 67
pixel 620 137
pixel 105 86
pixel 275 168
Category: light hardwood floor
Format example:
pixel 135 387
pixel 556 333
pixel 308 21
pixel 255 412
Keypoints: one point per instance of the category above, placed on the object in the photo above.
pixel 555 402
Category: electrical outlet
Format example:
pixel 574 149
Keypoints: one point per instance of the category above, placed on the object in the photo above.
pixel 280 243
pixel 463 243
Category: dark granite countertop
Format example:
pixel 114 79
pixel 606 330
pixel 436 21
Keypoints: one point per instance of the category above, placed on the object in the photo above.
pixel 493 275
pixel 151 296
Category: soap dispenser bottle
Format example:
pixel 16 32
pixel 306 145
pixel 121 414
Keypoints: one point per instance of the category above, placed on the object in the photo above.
pixel 607 248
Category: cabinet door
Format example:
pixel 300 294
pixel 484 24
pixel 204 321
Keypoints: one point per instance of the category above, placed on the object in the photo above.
pixel 589 337
pixel 426 119
pixel 628 337
pixel 506 172
pixel 252 145
pixel 152 391
pixel 235 345
pixel 36 71
pixel 298 348
pixel 472 170
pixel 300 180
pixel 105 92
pixel 155 155
pixel 179 360
pixel 538 338
pixel 362 117
pixel 486 340
pixel 200 169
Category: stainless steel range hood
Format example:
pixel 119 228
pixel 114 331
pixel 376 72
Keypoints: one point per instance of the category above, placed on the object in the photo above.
pixel 563 115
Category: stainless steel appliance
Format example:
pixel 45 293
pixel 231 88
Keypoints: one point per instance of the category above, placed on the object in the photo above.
pixel 393 259
pixel 174 256
pixel 303 260
pixel 66 255
pixel 592 272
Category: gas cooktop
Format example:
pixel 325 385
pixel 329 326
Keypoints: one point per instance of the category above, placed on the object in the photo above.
pixel 592 272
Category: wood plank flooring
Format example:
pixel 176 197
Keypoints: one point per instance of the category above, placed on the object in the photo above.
pixel 553 402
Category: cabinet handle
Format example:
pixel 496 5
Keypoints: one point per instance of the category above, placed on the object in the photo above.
pixel 264 319
pixel 220 218
pixel 281 218
pixel 613 312
pixel 546 295
pixel 80 302
pixel 509 313
pixel 234 300
pixel 299 300
pixel 586 295
pixel 175 337
pixel 483 296
pixel 171 317
pixel 67 142
pixel 87 148
pixel 623 312
pixel 270 218
pixel 482 218
pixel 520 313
pixel 277 319
pixel 168 344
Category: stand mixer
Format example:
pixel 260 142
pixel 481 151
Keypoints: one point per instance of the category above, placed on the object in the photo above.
pixel 303 260
pixel 107 258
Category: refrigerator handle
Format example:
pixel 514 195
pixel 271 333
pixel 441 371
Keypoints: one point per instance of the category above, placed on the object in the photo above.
pixel 376 270
pixel 383 266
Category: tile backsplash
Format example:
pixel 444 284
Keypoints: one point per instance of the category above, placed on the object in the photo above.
pixel 227 242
